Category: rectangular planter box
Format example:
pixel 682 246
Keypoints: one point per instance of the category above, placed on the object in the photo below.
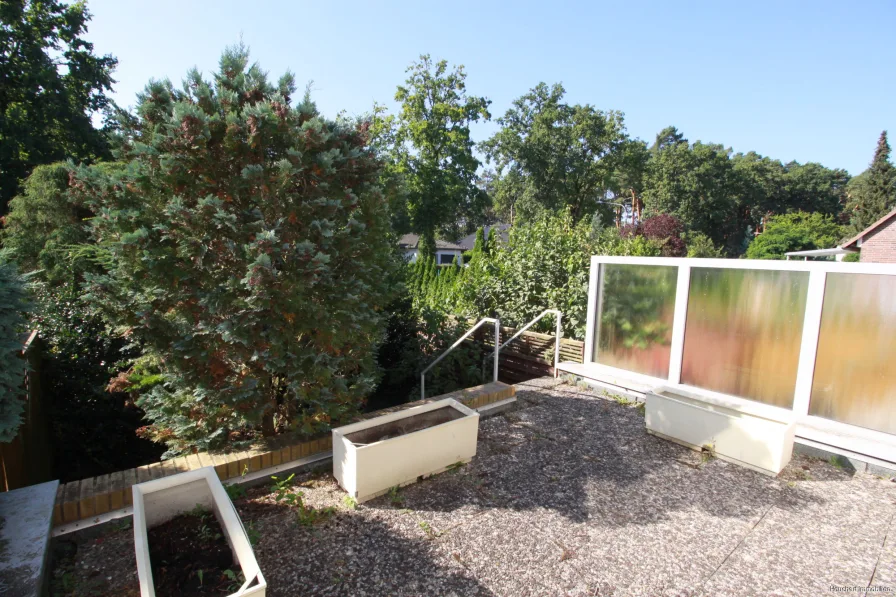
pixel 755 436
pixel 162 499
pixel 370 457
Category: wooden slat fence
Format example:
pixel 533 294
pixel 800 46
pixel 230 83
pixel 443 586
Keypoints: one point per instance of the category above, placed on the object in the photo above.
pixel 529 356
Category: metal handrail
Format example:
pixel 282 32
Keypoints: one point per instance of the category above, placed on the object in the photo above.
pixel 456 344
pixel 531 323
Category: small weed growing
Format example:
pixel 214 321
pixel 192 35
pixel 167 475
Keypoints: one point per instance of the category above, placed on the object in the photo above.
pixel 123 525
pixel 350 502
pixel 708 453
pixel 235 579
pixel 235 491
pixel 395 498
pixel 308 516
pixel 282 489
pixel 839 462
pixel 428 530
pixel 252 534
pixel 455 468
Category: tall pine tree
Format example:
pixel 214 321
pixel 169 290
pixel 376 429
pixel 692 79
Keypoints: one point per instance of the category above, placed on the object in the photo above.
pixel 874 193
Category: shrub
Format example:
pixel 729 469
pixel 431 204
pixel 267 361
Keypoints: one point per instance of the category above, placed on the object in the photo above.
pixel 795 232
pixel 247 251
pixel 93 422
pixel 544 264
pixel 667 231
pixel 415 336
pixel 701 246
pixel 14 302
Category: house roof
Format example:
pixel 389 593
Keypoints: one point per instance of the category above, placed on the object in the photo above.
pixel 872 228
pixel 468 241
pixel 410 241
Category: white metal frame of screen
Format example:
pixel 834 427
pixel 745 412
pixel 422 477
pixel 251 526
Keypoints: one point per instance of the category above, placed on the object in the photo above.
pixel 870 442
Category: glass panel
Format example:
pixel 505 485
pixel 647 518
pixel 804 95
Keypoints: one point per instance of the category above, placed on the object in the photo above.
pixel 854 380
pixel 743 332
pixel 635 326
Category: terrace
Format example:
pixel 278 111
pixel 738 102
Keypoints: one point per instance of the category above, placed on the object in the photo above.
pixel 769 378
pixel 568 495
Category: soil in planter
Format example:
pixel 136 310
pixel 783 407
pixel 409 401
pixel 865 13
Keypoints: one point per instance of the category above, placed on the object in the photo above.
pixel 405 426
pixel 190 556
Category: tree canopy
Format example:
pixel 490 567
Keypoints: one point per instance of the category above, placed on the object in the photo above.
pixel 428 147
pixel 555 156
pixel 52 84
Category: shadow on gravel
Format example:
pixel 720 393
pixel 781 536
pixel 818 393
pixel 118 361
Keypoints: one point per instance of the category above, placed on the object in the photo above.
pixel 348 554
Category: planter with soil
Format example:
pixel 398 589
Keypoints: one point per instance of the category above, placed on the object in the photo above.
pixel 372 456
pixel 189 539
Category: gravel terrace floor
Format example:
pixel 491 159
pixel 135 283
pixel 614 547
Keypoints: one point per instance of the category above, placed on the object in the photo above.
pixel 568 495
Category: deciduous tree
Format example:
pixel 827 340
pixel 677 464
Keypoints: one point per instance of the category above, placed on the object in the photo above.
pixel 52 84
pixel 554 156
pixel 430 151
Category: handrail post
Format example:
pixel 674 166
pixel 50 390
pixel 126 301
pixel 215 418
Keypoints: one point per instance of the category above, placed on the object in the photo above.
pixel 497 345
pixel 557 344
pixel 455 345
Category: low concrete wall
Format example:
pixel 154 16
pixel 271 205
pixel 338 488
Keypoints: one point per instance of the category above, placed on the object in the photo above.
pixel 88 498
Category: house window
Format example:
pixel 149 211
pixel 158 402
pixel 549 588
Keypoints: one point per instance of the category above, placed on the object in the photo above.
pixel 446 259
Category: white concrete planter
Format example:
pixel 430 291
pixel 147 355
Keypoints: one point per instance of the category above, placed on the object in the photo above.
pixel 756 436
pixel 161 500
pixel 373 456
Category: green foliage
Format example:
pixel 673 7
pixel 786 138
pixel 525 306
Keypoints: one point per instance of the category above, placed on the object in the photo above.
pixel 699 245
pixel 14 303
pixel 852 258
pixel 544 264
pixel 42 223
pixel 92 419
pixel 429 151
pixel 282 490
pixel 872 194
pixel 235 491
pixel 723 197
pixel 245 246
pixel 795 232
pixel 556 156
pixel 52 85
pixel 697 184
pixel 47 229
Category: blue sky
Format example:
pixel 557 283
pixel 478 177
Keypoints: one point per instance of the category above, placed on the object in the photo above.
pixel 805 81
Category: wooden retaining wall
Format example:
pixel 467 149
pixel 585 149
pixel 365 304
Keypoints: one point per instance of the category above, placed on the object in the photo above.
pixel 87 498
pixel 26 459
pixel 531 355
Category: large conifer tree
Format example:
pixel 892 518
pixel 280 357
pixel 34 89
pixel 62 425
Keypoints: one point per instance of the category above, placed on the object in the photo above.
pixel 246 249
pixel 874 193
